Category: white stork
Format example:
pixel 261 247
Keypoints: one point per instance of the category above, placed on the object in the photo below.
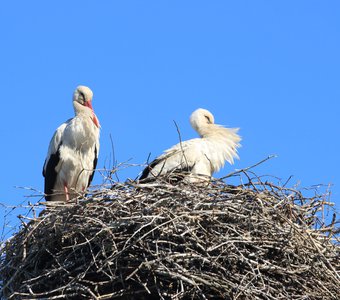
pixel 199 157
pixel 73 151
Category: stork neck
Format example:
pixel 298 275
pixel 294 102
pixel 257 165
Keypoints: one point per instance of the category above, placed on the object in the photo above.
pixel 206 130
pixel 212 130
pixel 81 109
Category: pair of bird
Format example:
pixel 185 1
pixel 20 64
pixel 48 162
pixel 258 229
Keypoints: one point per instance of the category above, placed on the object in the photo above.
pixel 73 151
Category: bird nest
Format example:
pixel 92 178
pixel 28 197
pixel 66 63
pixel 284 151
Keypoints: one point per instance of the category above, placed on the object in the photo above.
pixel 176 241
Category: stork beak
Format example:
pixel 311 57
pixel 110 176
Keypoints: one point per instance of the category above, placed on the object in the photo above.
pixel 94 117
pixel 88 104
pixel 95 120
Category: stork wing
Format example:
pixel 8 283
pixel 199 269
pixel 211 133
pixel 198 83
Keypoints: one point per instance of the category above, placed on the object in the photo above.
pixel 52 160
pixel 54 144
pixel 95 160
pixel 180 158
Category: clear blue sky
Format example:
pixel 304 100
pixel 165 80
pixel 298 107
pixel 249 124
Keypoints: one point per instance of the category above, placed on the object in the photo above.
pixel 271 68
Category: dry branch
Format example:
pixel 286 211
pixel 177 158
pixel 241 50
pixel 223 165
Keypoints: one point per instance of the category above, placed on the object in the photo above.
pixel 162 241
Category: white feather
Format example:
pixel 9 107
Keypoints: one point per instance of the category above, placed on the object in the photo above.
pixel 76 141
pixel 202 156
pixel 77 154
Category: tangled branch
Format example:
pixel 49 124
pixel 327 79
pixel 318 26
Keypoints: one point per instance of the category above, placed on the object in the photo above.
pixel 162 241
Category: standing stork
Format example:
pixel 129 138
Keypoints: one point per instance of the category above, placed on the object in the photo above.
pixel 73 151
pixel 199 157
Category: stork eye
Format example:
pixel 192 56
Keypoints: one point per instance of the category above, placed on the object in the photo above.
pixel 208 119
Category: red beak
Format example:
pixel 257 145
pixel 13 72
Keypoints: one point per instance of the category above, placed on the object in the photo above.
pixel 88 104
pixel 94 117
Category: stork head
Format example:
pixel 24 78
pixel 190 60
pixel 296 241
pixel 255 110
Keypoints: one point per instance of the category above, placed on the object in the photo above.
pixel 201 120
pixel 83 95
pixel 82 101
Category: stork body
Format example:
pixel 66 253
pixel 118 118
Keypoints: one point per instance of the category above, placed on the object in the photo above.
pixel 73 151
pixel 199 157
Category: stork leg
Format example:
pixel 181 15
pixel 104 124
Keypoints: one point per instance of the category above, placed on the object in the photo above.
pixel 66 193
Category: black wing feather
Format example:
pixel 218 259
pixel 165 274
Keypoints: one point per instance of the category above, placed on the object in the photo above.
pixel 148 169
pixel 94 166
pixel 50 174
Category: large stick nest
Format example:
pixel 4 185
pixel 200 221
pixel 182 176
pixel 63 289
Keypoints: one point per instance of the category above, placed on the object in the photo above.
pixel 182 241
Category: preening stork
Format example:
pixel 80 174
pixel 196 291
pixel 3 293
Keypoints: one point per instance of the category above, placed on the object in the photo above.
pixel 199 158
pixel 73 151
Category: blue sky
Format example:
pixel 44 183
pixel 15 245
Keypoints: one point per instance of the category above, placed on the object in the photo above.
pixel 268 67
